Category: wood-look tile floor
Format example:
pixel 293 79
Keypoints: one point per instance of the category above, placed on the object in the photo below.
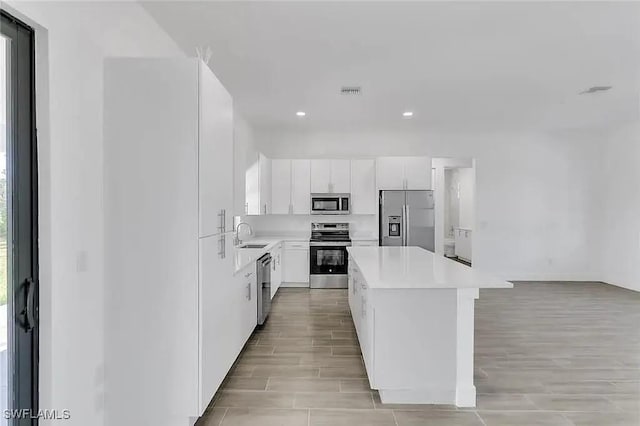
pixel 546 354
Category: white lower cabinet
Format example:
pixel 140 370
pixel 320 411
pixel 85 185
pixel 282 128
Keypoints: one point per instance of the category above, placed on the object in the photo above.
pixel 463 238
pixel 362 313
pixel 218 339
pixel 296 257
pixel 228 312
pixel 245 295
pixel 276 269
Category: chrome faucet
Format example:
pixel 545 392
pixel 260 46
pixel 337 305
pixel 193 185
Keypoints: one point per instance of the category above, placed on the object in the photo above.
pixel 236 239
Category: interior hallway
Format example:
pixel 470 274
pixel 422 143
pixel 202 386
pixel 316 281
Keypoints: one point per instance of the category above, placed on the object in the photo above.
pixel 546 354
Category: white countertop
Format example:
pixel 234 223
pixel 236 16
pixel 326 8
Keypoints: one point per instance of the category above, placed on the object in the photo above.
pixel 416 268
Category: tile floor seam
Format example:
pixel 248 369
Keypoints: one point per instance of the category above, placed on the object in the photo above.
pixel 526 396
pixel 480 417
pixel 395 420
pixel 223 416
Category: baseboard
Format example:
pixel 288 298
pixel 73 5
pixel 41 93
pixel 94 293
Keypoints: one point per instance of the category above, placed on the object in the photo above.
pixel 570 282
pixel 626 287
pixel 295 285
pixel 434 395
pixel 550 277
pixel 466 396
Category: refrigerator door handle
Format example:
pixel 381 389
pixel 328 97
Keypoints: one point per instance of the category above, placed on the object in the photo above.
pixel 407 219
pixel 404 225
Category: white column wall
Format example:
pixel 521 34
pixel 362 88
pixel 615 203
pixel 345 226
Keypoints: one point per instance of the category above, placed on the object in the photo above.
pixel 72 40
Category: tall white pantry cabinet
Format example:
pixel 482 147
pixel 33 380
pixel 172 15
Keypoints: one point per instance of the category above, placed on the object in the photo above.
pixel 168 133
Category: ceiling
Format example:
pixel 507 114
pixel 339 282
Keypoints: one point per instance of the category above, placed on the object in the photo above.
pixel 457 66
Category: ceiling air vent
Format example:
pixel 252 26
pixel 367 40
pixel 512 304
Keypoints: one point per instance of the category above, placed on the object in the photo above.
pixel 351 90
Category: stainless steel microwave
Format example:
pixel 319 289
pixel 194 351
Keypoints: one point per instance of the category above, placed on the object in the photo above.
pixel 330 203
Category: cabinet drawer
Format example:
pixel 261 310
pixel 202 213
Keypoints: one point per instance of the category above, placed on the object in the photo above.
pixel 300 245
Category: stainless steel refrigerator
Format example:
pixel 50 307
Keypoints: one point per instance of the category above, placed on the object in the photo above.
pixel 407 218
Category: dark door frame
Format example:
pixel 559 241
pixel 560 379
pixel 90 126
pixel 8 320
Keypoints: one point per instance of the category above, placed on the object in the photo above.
pixel 22 208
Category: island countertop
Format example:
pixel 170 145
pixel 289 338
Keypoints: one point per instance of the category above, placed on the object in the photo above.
pixel 416 268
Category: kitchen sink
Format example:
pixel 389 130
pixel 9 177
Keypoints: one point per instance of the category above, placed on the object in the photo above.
pixel 253 246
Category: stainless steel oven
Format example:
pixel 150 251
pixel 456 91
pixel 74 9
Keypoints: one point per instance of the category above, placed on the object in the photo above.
pixel 329 260
pixel 330 203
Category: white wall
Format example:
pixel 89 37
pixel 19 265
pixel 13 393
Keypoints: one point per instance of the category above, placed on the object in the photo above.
pixel 466 201
pixel 621 201
pixel 72 40
pixel 535 193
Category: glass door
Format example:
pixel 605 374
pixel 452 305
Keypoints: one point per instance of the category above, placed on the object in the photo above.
pixel 18 227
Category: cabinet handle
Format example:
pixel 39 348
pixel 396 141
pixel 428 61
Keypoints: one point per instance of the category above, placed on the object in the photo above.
pixel 249 291
pixel 222 221
pixel 246 208
pixel 222 243
pixel 290 208
pixel 248 274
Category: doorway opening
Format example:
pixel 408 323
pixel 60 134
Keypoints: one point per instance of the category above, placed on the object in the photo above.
pixel 18 226
pixel 455 209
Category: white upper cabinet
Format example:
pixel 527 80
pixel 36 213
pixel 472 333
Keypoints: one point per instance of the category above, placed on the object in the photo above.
pixel 340 176
pixel 252 184
pixel 417 172
pixel 258 185
pixel 390 172
pixel 330 176
pixel 215 153
pixel 265 185
pixel 320 176
pixel 281 186
pixel 402 173
pixel 363 187
pixel 300 186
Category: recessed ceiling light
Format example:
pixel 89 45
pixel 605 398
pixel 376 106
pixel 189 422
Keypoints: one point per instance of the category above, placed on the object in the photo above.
pixel 407 114
pixel 301 113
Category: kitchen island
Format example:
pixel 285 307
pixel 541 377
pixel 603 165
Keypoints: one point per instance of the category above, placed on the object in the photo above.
pixel 413 312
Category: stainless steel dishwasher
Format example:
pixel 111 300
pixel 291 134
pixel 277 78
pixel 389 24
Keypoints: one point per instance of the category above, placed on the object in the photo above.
pixel 264 287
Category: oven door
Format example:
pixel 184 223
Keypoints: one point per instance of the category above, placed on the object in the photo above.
pixel 329 260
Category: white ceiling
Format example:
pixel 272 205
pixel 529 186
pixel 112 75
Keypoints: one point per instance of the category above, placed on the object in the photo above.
pixel 458 66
